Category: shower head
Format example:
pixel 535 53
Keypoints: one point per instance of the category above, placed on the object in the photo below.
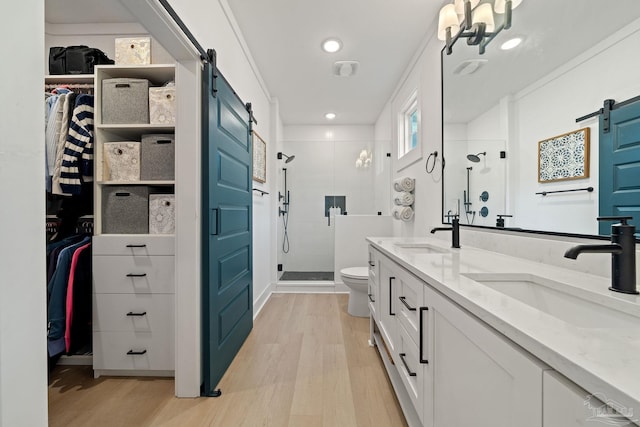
pixel 475 158
pixel 289 158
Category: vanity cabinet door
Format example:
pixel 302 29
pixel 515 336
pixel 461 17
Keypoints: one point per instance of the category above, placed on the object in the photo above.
pixel 481 379
pixel 387 307
pixel 568 405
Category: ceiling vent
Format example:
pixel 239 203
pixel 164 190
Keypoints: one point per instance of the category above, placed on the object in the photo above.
pixel 345 68
pixel 469 67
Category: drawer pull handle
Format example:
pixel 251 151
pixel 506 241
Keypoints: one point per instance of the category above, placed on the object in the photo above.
pixel 422 310
pixel 371 299
pixel 391 313
pixel 136 246
pixel 372 264
pixel 137 275
pixel 403 300
pixel 404 362
pixel 131 313
pixel 136 353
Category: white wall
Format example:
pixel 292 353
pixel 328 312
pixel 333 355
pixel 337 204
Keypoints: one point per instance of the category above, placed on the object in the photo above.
pixel 425 71
pixel 324 166
pixel 23 353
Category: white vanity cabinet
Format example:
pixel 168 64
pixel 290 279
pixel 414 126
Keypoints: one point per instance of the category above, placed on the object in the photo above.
pixel 481 379
pixel 568 405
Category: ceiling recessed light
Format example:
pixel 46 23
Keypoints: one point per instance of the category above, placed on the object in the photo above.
pixel 511 43
pixel 331 45
pixel 330 116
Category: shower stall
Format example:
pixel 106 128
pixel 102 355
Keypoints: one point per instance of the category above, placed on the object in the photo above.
pixel 471 189
pixel 317 181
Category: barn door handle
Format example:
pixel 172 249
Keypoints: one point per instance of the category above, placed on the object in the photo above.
pixel 214 223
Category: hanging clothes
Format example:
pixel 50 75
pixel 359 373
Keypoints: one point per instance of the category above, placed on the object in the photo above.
pixel 57 291
pixel 77 160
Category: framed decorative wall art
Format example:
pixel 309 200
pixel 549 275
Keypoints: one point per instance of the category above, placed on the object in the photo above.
pixel 564 157
pixel 259 158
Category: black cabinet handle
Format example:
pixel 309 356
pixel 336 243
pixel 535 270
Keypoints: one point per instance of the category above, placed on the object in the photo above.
pixel 137 275
pixel 131 313
pixel 371 299
pixel 136 246
pixel 422 310
pixel 136 353
pixel 372 264
pixel 391 313
pixel 403 300
pixel 404 362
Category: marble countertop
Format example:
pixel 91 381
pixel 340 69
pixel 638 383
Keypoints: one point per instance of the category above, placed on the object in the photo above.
pixel 599 359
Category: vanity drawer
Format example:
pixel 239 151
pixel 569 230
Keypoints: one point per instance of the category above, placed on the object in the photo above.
pixel 133 245
pixel 410 295
pixel 411 371
pixel 133 351
pixel 133 313
pixel 133 274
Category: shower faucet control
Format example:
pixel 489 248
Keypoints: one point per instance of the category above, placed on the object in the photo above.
pixel 455 231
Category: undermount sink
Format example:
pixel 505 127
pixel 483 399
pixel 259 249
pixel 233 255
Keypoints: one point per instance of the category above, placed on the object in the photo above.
pixel 556 299
pixel 418 248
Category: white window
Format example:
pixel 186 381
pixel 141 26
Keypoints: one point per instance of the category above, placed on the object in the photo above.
pixel 409 129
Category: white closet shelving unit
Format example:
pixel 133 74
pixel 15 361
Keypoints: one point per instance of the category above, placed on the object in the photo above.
pixel 134 274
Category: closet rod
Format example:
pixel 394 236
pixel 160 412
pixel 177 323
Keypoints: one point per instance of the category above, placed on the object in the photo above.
pixel 69 85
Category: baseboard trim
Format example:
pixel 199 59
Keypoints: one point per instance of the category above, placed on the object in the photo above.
pixel 310 287
pixel 260 302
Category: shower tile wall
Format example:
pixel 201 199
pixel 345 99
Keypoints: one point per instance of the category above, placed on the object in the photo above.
pixel 322 167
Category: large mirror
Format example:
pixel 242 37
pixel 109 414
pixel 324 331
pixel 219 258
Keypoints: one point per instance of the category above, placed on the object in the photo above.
pixel 499 106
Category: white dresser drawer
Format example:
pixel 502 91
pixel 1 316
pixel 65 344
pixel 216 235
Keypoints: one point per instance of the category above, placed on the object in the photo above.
pixel 133 313
pixel 410 295
pixel 137 245
pixel 133 274
pixel 133 351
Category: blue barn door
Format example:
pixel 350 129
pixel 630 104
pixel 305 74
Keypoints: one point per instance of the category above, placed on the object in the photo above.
pixel 227 286
pixel 619 166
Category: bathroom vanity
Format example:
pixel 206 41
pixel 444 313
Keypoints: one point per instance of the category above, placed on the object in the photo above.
pixel 476 338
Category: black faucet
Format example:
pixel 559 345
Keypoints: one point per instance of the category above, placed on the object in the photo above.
pixel 455 231
pixel 623 254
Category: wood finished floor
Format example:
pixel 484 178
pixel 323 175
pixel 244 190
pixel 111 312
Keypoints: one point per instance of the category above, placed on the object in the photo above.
pixel 306 363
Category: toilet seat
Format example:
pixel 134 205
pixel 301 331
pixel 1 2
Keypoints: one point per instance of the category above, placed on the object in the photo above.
pixel 355 273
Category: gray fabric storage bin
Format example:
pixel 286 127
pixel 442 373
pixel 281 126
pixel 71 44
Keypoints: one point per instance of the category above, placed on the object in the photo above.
pixel 157 157
pixel 125 101
pixel 125 209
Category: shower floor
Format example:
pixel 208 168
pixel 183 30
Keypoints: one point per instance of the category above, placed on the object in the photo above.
pixel 307 275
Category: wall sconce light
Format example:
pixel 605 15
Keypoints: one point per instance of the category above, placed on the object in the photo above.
pixel 467 19
pixel 364 159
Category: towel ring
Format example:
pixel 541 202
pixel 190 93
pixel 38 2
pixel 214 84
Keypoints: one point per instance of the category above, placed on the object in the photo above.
pixel 435 156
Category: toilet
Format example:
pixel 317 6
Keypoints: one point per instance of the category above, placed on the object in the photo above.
pixel 356 278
